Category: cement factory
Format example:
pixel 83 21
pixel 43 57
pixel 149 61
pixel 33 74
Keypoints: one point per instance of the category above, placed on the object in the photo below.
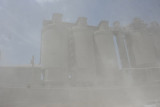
pixel 88 66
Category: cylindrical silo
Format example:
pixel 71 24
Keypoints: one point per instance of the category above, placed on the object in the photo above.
pixel 84 49
pixel 54 44
pixel 84 52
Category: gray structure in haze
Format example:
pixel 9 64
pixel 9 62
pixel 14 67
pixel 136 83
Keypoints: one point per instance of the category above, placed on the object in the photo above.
pixel 88 66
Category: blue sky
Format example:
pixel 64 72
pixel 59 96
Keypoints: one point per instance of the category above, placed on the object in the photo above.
pixel 21 20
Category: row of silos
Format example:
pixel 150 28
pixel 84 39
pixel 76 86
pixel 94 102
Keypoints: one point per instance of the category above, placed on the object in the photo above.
pixel 79 51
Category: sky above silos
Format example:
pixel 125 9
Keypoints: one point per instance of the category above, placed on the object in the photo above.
pixel 21 21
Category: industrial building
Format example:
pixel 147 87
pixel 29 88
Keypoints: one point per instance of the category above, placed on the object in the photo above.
pixel 88 66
